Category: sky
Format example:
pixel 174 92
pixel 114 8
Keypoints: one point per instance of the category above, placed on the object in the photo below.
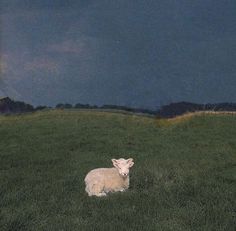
pixel 125 52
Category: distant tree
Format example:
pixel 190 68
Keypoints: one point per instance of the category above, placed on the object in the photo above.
pixel 174 109
pixel 8 105
pixel 60 106
pixel 64 106
pixel 68 106
pixel 38 108
pixel 79 105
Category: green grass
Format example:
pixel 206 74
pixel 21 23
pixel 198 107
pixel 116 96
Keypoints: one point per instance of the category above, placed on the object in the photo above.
pixel 184 177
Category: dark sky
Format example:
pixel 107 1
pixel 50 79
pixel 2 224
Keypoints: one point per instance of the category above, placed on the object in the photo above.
pixel 126 52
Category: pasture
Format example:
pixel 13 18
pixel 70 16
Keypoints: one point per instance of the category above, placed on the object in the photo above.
pixel 184 176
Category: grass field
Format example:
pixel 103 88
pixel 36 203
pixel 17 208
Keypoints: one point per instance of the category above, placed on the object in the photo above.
pixel 184 177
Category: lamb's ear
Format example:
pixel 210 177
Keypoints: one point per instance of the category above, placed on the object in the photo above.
pixel 130 162
pixel 115 163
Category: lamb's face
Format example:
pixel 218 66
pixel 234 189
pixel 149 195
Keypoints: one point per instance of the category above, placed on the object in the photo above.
pixel 123 166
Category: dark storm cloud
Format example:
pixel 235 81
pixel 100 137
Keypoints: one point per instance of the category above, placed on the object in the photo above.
pixel 16 5
pixel 140 53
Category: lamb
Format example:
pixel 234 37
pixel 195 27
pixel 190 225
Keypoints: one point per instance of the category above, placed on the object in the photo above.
pixel 100 181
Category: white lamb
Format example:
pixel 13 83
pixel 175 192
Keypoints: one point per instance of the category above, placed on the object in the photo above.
pixel 100 181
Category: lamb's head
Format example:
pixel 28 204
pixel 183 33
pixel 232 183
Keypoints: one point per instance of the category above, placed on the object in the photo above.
pixel 123 166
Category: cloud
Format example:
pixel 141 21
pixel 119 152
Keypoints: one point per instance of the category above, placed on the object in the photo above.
pixel 67 47
pixel 121 51
pixel 42 64
pixel 4 63
pixel 16 5
pixel 3 67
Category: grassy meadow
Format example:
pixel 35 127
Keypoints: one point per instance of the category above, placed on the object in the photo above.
pixel 184 177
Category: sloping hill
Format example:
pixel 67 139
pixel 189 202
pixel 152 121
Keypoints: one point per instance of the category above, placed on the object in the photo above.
pixel 183 178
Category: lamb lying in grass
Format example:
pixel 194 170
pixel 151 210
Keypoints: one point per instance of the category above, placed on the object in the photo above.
pixel 100 181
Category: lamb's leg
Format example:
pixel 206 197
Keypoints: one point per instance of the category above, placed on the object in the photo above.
pixel 98 190
pixel 89 190
pixel 102 194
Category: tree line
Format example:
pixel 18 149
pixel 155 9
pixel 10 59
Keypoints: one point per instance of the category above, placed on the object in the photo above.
pixel 9 106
